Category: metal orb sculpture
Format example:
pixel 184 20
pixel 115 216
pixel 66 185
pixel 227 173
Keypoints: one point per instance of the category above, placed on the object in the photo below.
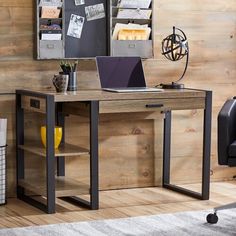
pixel 174 48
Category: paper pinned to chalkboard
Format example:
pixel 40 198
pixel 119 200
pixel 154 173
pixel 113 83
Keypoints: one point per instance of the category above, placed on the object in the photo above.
pixel 75 26
pixel 95 12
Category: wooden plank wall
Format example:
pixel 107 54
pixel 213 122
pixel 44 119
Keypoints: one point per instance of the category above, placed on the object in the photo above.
pixel 211 30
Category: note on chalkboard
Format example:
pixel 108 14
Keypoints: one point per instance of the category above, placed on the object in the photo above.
pixel 50 12
pixel 75 26
pixel 95 12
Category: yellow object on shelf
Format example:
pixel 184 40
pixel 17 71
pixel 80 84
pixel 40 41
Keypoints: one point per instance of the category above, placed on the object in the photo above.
pixel 132 34
pixel 57 136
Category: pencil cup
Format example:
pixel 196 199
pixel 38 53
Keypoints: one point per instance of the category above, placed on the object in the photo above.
pixel 72 84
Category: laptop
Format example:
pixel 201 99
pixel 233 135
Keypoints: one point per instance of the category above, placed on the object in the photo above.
pixel 122 74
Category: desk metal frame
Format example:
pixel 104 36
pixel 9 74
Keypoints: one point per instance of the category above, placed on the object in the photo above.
pixel 51 119
pixel 50 206
pixel 204 195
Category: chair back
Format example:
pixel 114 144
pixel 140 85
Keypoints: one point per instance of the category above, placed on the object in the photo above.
pixel 226 130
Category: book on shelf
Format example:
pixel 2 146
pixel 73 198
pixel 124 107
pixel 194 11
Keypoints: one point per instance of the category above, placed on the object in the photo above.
pixel 134 34
pixel 57 3
pixel 50 27
pixel 134 13
pixel 51 35
pixel 131 32
pixel 50 12
pixel 134 4
pixel 50 31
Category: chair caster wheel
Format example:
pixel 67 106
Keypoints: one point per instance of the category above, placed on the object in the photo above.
pixel 212 218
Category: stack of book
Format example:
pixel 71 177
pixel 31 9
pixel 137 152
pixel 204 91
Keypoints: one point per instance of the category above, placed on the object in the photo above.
pixel 50 10
pixel 133 11
pixel 131 31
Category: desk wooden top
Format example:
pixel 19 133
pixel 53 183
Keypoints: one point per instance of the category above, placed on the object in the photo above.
pixel 100 95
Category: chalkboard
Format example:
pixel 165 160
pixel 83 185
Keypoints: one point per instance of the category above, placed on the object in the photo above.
pixel 93 40
pixel 94 36
pixel 89 28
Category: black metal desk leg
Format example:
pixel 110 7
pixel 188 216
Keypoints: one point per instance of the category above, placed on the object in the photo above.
pixel 19 141
pixel 166 148
pixel 61 123
pixel 204 195
pixel 94 195
pixel 206 146
pixel 50 123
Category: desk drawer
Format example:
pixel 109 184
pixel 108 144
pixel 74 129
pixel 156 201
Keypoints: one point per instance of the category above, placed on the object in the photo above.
pixel 151 105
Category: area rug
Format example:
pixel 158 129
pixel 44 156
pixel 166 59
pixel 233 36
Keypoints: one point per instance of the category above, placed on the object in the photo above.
pixel 179 224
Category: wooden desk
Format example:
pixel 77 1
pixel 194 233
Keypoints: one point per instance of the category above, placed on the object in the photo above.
pixel 92 103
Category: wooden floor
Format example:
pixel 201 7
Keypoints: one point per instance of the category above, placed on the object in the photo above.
pixel 117 204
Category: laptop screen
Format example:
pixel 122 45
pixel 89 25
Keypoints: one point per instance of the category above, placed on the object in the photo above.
pixel 120 72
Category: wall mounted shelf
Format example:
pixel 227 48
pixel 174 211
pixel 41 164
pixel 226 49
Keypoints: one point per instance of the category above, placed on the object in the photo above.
pixel 96 37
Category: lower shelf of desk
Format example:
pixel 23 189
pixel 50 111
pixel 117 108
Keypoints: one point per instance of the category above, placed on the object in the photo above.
pixel 64 186
pixel 63 150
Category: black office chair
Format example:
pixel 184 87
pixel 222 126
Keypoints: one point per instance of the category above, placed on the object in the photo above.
pixel 226 146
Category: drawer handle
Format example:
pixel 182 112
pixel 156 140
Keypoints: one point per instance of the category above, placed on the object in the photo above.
pixel 50 46
pixel 132 46
pixel 154 105
pixel 35 103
